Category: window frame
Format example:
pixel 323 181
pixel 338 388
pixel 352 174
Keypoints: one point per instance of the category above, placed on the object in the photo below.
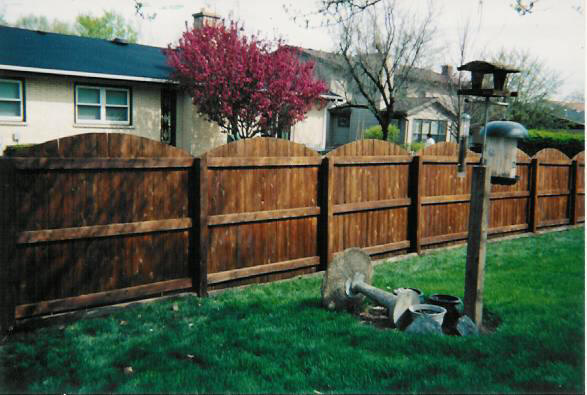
pixel 21 100
pixel 343 120
pixel 103 105
pixel 418 134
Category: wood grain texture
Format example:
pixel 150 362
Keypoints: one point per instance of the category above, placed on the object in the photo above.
pixel 371 196
pixel 99 212
pixel 327 236
pixel 444 196
pixel 88 232
pixel 201 286
pixel 554 185
pixel 101 163
pixel 229 275
pixel 476 244
pixel 263 210
pixel 8 288
pixel 260 216
pixel 578 204
pixel 446 149
pixel 100 298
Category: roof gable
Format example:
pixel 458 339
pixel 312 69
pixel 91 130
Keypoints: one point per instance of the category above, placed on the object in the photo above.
pixel 410 105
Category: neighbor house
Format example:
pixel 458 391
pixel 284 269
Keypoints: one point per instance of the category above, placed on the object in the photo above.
pixel 422 106
pixel 54 85
pixel 571 114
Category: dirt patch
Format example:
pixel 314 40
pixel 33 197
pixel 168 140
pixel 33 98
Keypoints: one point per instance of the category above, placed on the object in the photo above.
pixel 376 316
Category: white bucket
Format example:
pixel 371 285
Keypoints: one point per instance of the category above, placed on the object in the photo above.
pixel 435 312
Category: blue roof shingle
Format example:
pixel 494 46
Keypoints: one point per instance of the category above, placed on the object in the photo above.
pixel 51 51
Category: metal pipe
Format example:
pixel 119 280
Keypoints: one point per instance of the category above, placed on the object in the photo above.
pixel 487 102
pixel 462 166
pixel 383 298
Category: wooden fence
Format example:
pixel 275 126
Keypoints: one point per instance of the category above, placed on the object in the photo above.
pixel 369 198
pixel 94 219
pixel 445 198
pixel 99 218
pixel 259 212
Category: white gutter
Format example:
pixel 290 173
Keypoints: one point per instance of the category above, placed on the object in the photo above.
pixel 85 74
pixel 330 97
pixel 324 128
pixel 107 76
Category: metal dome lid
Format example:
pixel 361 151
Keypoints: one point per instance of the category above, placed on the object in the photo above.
pixel 507 129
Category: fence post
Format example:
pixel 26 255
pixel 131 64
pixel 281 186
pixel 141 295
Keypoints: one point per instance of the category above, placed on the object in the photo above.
pixel 326 228
pixel 200 280
pixel 416 186
pixel 7 246
pixel 535 166
pixel 574 175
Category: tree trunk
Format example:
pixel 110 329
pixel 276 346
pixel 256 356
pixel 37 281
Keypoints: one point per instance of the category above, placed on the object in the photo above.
pixel 384 121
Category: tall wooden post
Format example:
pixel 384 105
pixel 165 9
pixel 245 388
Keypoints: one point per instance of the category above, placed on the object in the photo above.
pixel 534 218
pixel 477 243
pixel 7 246
pixel 327 213
pixel 417 186
pixel 201 277
pixel 573 214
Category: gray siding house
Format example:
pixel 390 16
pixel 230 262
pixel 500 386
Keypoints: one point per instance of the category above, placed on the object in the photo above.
pixel 423 106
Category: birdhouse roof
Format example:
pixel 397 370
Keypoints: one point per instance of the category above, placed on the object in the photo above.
pixel 486 67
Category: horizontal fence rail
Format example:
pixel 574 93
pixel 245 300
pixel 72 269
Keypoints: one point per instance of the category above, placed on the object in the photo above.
pixel 97 219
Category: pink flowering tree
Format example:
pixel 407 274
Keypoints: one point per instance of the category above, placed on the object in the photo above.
pixel 241 83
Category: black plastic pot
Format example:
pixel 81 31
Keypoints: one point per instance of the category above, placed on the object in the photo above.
pixel 450 303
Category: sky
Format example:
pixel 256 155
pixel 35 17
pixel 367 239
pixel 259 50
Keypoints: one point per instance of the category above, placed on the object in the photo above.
pixel 554 32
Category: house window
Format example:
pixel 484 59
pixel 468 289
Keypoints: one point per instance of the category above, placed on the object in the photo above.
pixel 344 120
pixel 102 105
pixel 421 128
pixel 11 100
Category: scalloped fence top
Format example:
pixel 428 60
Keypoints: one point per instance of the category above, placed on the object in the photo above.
pixel 445 149
pixel 368 147
pixel 102 145
pixel 551 154
pixel 261 147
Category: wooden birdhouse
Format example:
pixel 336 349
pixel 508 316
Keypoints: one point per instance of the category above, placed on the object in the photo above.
pixel 501 144
pixel 479 69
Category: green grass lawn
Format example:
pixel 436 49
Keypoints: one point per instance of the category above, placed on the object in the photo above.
pixel 277 337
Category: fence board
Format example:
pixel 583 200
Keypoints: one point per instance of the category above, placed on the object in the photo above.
pixel 444 196
pixel 578 197
pixel 263 209
pixel 371 197
pixel 8 288
pixel 96 213
pixel 554 183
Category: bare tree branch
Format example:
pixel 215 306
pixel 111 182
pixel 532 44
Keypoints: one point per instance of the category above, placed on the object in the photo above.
pixel 379 47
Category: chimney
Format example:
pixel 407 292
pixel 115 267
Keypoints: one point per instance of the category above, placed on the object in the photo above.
pixel 447 70
pixel 205 17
